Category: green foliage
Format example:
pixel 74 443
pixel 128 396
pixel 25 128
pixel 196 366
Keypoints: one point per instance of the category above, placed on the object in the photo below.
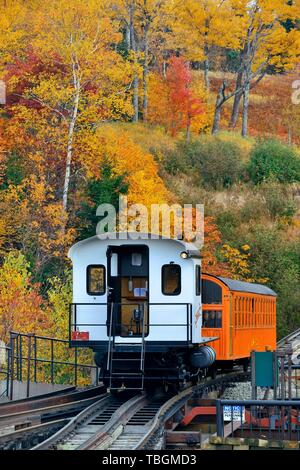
pixel 105 190
pixel 218 163
pixel 270 200
pixel 278 200
pixel 14 171
pixel 228 222
pixel 272 159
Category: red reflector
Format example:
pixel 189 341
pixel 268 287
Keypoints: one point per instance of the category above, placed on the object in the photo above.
pixel 80 335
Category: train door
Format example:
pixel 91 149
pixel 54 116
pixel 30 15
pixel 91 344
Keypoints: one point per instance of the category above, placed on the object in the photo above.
pixel 128 290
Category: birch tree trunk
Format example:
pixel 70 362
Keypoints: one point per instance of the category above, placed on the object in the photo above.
pixel 245 109
pixel 206 68
pixel 146 73
pixel 134 50
pixel 219 103
pixel 236 103
pixel 71 135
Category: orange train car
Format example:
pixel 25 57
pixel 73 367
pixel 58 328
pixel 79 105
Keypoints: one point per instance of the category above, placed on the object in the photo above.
pixel 241 315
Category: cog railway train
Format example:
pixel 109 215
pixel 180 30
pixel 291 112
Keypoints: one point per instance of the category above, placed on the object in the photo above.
pixel 151 317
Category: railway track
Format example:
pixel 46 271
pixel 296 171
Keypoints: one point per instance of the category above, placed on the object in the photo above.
pixel 154 437
pixel 112 422
pixel 93 419
pixel 25 418
pixel 291 342
pixel 128 423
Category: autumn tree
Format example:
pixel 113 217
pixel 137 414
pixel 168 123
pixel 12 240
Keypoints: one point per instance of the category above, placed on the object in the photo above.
pixel 203 25
pixel 90 81
pixel 21 307
pixel 266 44
pixel 176 103
pixel 145 28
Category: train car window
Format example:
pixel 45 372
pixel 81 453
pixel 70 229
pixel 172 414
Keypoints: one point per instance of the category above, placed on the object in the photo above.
pixel 171 279
pixel 211 292
pixel 95 279
pixel 212 319
pixel 198 279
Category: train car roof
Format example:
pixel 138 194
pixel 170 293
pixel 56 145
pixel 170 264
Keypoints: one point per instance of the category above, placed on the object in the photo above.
pixel 241 286
pixel 191 248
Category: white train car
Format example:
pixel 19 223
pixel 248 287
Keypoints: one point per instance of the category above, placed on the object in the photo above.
pixel 137 304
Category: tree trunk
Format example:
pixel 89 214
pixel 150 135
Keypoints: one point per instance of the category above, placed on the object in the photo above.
pixel 206 74
pixel 127 37
pixel 136 78
pixel 206 67
pixel 236 103
pixel 216 123
pixel 245 109
pixel 219 103
pixel 188 130
pixel 164 69
pixel 145 74
pixel 71 139
pixel 136 98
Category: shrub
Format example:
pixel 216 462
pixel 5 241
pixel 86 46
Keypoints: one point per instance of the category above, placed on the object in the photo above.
pixel 279 201
pixel 218 163
pixel 271 159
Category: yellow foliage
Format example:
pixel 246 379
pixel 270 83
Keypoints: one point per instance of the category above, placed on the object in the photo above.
pixel 127 158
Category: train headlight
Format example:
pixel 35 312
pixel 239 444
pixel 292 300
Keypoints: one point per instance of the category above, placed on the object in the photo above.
pixel 184 255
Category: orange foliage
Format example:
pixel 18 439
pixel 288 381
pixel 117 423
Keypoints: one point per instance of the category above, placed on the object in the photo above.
pixel 213 242
pixel 20 304
pixel 172 101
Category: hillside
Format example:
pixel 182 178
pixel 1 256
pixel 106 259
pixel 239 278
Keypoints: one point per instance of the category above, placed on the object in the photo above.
pixel 106 98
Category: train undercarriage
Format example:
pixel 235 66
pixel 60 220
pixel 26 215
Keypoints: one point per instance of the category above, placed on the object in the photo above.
pixel 171 368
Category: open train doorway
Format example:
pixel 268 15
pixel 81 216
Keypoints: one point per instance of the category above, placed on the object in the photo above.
pixel 128 291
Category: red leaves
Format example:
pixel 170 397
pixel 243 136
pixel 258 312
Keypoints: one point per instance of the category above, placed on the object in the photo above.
pixel 172 100
pixel 183 105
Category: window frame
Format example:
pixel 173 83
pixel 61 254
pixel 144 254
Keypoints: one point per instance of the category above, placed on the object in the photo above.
pixel 88 270
pixel 198 279
pixel 163 278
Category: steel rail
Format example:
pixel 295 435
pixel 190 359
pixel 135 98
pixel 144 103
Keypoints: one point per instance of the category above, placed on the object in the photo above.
pixel 76 421
pixel 115 426
pixel 288 339
pixel 36 415
pixel 35 398
pixel 22 438
pixel 171 407
pixel 43 401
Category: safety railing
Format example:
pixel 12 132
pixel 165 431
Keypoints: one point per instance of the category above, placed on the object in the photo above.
pixel 271 419
pixel 33 358
pixel 147 307
pixel 4 370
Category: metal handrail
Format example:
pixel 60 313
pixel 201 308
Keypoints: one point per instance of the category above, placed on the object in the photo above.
pixel 143 341
pixel 110 335
pixel 146 324
pixel 19 362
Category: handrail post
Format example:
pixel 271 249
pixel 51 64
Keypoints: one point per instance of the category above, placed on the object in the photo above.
pixel 28 364
pixel 8 350
pixel 35 357
pixel 76 360
pixel 17 350
pixel 52 361
pixel 219 409
pixel 11 390
pixel 110 333
pixel 20 338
